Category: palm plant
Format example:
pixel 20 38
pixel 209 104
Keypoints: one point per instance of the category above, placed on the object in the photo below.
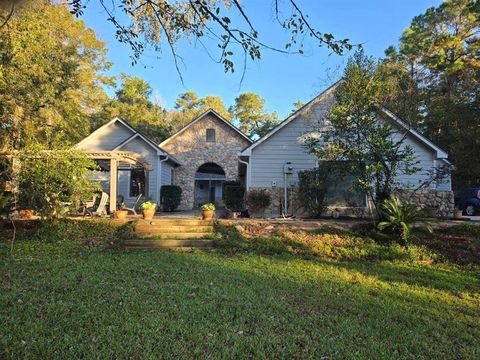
pixel 400 217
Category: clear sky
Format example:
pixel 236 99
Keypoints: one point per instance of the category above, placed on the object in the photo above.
pixel 280 79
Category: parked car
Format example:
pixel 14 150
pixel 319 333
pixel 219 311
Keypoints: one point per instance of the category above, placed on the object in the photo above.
pixel 468 200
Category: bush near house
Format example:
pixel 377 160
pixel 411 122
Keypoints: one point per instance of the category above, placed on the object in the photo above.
pixel 234 197
pixel 170 197
pixel 258 200
pixel 52 181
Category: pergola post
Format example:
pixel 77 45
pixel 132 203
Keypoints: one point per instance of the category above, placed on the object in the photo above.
pixel 113 184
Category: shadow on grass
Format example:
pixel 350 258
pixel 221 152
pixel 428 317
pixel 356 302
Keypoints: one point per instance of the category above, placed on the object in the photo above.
pixel 148 304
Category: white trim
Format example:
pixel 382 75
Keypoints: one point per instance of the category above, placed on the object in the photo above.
pixel 440 153
pixel 209 111
pixel 303 109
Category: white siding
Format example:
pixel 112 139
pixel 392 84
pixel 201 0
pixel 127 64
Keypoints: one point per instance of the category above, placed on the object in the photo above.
pixel 107 138
pixel 140 147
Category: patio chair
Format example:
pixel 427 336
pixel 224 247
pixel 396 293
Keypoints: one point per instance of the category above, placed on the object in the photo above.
pixel 99 209
pixel 135 204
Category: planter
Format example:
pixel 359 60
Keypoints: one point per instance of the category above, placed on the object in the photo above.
pixel 25 214
pixel 208 214
pixel 458 214
pixel 121 214
pixel 148 214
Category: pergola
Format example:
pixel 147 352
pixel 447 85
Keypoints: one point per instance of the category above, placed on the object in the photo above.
pixel 115 158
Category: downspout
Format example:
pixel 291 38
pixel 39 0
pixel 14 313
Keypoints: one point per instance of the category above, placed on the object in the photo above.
pixel 159 176
pixel 247 185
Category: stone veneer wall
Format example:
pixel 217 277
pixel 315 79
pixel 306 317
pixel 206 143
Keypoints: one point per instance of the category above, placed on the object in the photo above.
pixel 192 150
pixel 441 201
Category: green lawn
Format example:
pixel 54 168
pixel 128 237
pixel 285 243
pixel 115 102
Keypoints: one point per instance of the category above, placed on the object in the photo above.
pixel 62 300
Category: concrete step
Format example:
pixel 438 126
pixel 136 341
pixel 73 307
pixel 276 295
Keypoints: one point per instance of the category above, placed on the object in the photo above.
pixel 179 235
pixel 176 222
pixel 170 243
pixel 168 229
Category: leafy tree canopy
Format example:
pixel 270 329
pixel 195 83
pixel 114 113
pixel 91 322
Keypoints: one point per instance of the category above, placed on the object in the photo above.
pixel 437 68
pixel 132 103
pixel 249 111
pixel 188 106
pixel 360 137
pixel 51 76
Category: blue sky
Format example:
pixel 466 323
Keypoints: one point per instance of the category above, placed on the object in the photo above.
pixel 280 79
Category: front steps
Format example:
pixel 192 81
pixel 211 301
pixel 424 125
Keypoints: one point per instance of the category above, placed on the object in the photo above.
pixel 170 233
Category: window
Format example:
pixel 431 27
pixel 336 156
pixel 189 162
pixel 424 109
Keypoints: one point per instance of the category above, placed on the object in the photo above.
pixel 137 182
pixel 210 135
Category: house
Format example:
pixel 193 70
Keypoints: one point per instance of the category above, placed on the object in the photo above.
pixel 210 151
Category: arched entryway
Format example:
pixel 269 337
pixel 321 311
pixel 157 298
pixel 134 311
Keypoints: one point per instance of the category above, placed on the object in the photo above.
pixel 209 180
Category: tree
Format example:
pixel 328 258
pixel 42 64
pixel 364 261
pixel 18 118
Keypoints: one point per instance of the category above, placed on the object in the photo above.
pixel 249 111
pixel 50 181
pixel 154 22
pixel 297 105
pixel 440 53
pixel 189 106
pixel 360 137
pixel 51 77
pixel 132 103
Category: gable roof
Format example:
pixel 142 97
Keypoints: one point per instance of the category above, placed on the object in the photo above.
pixel 209 111
pixel 135 133
pixel 247 151
pixel 441 154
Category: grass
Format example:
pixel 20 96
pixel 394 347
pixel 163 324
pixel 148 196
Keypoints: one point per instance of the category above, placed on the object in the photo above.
pixel 287 296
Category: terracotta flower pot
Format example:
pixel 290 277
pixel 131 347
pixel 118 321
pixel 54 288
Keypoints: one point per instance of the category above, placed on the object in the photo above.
pixel 121 214
pixel 25 214
pixel 148 214
pixel 458 214
pixel 208 214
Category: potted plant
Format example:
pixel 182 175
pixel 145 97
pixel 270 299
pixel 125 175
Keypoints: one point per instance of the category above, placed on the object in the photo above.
pixel 121 214
pixel 25 214
pixel 148 208
pixel 208 211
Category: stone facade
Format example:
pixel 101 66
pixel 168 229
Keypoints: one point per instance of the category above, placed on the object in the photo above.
pixel 441 202
pixel 192 150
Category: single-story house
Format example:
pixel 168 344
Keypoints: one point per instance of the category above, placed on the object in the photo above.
pixel 210 151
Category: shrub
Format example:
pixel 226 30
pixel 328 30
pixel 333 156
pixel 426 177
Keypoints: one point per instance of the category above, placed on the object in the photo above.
pixel 258 200
pixel 234 195
pixel 400 217
pixel 50 181
pixel 149 205
pixel 208 206
pixel 312 188
pixel 170 197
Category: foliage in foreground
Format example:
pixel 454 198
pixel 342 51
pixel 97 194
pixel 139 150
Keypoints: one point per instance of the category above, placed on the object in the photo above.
pixel 327 243
pixel 400 217
pixel 95 233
